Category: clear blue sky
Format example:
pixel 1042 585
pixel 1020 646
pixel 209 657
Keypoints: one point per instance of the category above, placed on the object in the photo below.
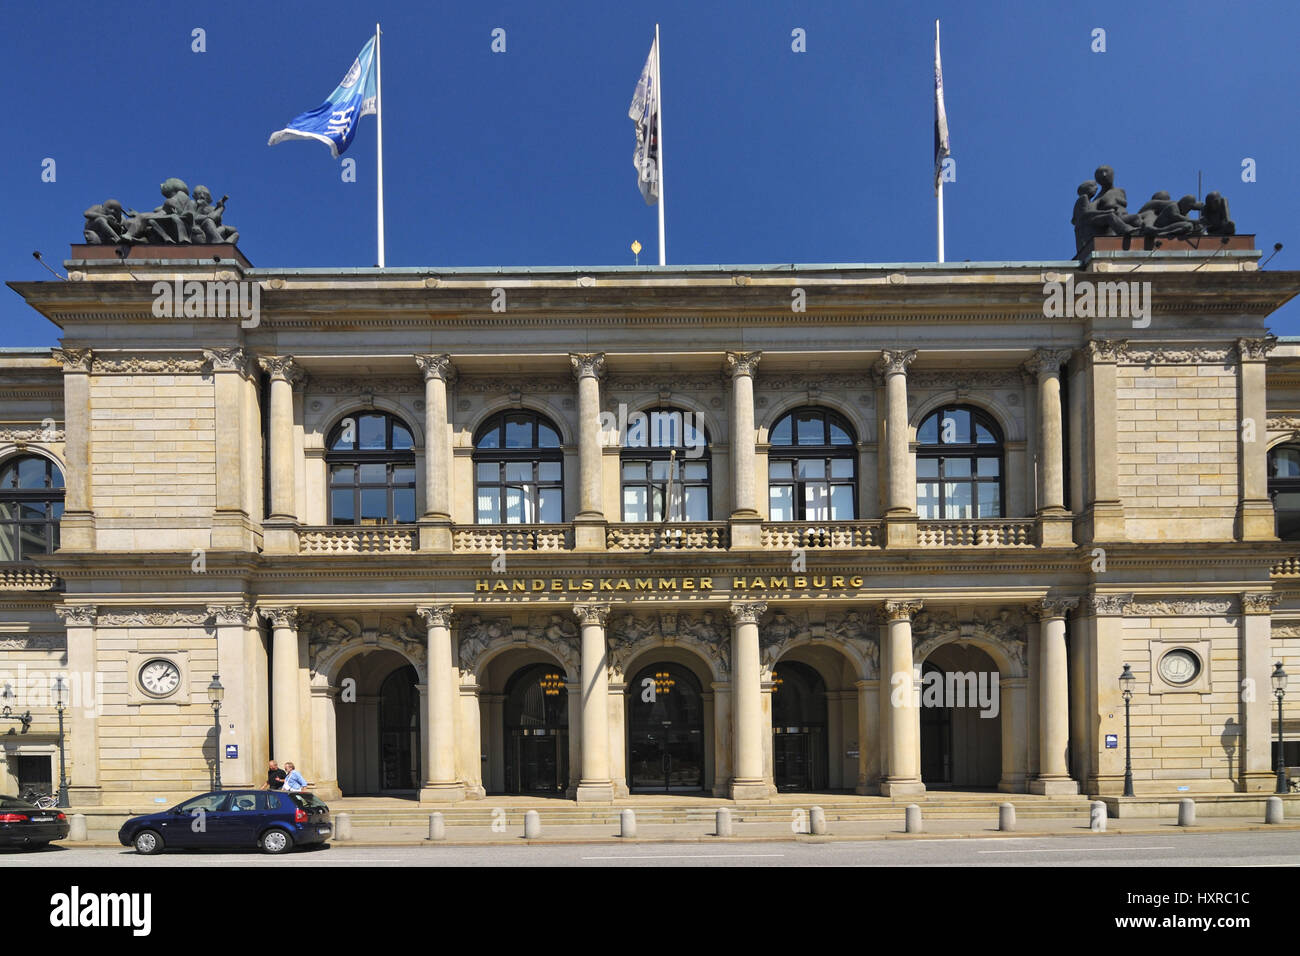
pixel 525 158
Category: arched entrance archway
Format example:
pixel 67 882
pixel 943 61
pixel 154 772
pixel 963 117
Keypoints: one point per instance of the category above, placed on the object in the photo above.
pixel 379 724
pixel 799 756
pixel 537 730
pixel 961 719
pixel 666 746
pixel 399 731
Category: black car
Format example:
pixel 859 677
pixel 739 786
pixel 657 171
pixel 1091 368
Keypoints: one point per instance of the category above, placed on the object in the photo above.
pixel 274 820
pixel 25 824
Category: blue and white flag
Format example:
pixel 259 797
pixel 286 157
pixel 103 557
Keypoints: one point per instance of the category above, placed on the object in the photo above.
pixel 644 111
pixel 334 122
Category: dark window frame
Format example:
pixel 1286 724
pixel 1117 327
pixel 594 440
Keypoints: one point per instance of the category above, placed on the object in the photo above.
pixel 969 452
pixel 1278 486
pixel 50 497
pixel 654 489
pixel 356 456
pixel 826 452
pixel 536 455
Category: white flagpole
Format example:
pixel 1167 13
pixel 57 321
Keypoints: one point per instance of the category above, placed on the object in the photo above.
pixel 379 150
pixel 659 118
pixel 939 194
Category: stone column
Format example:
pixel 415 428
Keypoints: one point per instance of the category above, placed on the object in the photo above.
pixel 470 742
pixel 1015 734
pixel 1255 520
pixel 868 730
pixel 278 535
pixel 324 744
pixel 1054 700
pixel 746 520
pixel 595 783
pixel 1254 755
pixel 589 523
pixel 82 746
pixel 493 718
pixel 898 677
pixel 435 525
pixel 1054 522
pixel 77 526
pixel 440 780
pixel 618 733
pixel 1100 639
pixel 747 781
pixel 231 528
pixel 286 741
pixel 900 486
pixel 232 622
pixel 723 740
pixel 1104 520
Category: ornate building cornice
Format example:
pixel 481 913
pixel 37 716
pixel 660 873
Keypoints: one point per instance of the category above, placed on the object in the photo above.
pixel 33 642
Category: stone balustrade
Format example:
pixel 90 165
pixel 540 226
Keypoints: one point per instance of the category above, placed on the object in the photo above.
pixel 673 536
pixel 354 539
pixel 784 535
pixel 975 534
pixel 513 537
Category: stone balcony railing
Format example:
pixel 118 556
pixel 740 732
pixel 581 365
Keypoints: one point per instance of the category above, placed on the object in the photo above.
pixel 785 535
pixel 357 539
pixel 673 536
pixel 23 576
pixel 513 537
pixel 976 534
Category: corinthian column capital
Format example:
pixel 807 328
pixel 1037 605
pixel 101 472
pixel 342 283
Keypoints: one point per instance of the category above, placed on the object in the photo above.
pixel 280 616
pixel 903 610
pixel 1047 360
pixel 1256 350
pixel 1056 607
pixel 743 363
pixel 591 613
pixel 895 361
pixel 74 360
pixel 748 612
pixel 436 615
pixel 281 368
pixel 436 366
pixel 587 364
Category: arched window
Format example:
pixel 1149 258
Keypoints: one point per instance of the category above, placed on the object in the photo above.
pixel 1284 489
pixel 958 465
pixel 518 470
pixel 648 458
pixel 812 467
pixel 371 462
pixel 31 504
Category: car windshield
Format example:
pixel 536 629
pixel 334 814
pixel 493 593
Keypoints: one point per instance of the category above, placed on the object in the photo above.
pixel 13 803
pixel 207 803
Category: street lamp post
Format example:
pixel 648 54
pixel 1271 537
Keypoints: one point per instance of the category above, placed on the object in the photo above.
pixel 1126 682
pixel 215 693
pixel 61 701
pixel 1279 691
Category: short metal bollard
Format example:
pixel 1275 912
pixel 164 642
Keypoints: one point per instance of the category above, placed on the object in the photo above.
pixel 437 827
pixel 1097 817
pixel 722 826
pixel 532 825
pixel 817 816
pixel 1006 817
pixel 1186 812
pixel 342 826
pixel 627 824
pixel 78 831
pixel 912 819
pixel 1273 810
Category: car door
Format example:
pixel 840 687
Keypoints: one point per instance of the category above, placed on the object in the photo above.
pixel 236 824
pixel 191 823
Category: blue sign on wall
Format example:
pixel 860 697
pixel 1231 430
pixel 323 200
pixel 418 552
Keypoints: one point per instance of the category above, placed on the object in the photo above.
pixel 232 751
pixel 1112 741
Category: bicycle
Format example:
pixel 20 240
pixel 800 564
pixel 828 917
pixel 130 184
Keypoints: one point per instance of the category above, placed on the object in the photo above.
pixel 42 800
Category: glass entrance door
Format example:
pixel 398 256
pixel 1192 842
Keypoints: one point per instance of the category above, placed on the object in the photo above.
pixel 665 730
pixel 537 731
pixel 791 760
pixel 539 760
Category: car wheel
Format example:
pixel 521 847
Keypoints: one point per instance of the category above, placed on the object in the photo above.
pixel 276 841
pixel 147 842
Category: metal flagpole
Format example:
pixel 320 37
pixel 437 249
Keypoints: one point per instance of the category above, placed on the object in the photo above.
pixel 379 149
pixel 940 195
pixel 659 123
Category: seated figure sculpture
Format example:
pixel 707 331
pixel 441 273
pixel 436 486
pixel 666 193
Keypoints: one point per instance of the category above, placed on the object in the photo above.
pixel 1109 215
pixel 172 222
pixel 104 223
pixel 1214 216
pixel 207 219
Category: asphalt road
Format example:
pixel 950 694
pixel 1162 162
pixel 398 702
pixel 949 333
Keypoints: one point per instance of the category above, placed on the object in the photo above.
pixel 1156 850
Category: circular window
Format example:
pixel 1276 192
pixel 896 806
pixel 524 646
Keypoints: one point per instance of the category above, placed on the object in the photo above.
pixel 1179 667
pixel 160 678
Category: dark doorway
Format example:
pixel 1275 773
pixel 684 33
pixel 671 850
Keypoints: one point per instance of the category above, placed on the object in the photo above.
pixel 399 731
pixel 537 730
pixel 936 739
pixel 798 728
pixel 665 730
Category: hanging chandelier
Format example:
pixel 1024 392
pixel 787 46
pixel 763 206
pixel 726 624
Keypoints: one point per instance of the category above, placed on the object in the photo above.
pixel 664 682
pixel 551 684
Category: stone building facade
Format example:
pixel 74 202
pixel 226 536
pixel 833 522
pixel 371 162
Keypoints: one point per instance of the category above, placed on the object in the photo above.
pixel 869 529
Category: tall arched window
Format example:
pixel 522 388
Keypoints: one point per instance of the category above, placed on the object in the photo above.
pixel 518 470
pixel 371 462
pixel 647 460
pixel 31 504
pixel 812 467
pixel 1284 489
pixel 959 465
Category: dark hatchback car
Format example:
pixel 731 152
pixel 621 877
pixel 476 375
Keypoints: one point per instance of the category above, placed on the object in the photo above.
pixel 26 825
pixel 274 820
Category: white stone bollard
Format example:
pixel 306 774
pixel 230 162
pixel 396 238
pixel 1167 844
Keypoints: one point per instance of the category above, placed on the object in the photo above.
pixel 437 827
pixel 912 819
pixel 342 827
pixel 1273 810
pixel 1006 817
pixel 1186 812
pixel 722 827
pixel 532 825
pixel 627 824
pixel 1097 817
pixel 77 829
pixel 817 816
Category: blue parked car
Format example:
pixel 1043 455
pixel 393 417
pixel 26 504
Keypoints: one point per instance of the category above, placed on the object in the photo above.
pixel 274 820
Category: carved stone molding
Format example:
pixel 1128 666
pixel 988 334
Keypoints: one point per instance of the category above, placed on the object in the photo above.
pixel 1256 350
pixel 157 617
pixel 233 614
pixel 436 615
pixel 280 616
pixel 74 360
pixel 970 380
pixel 1193 607
pixel 895 361
pixel 77 615
pixel 1047 361
pixel 281 368
pixel 228 360
pixel 436 366
pixel 529 384
pixel 477 635
pixel 33 642
pixel 1003 629
pixel 1107 350
pixel 1107 605
pixel 1284 423
pixel 1050 608
pixel 901 610
pixel 775 636
pixel 369 386
pixel 630 635
pixel 144 364
pixel 674 383
pixel 1121 352
pixel 32 434
pixel 742 363
pixel 748 612
pixel 1286 629
pixel 587 364
pixel 588 614
pixel 1259 602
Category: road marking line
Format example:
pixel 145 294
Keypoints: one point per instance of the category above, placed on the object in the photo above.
pixel 1084 849
pixel 689 856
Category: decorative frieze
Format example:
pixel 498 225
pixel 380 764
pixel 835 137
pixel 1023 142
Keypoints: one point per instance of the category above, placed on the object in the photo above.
pixel 32 434
pixel 1259 602
pixel 145 364
pixel 1190 607
pixel 380 385
pixel 970 380
pixel 630 634
pixel 1107 605
pixel 1121 352
pixel 33 642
